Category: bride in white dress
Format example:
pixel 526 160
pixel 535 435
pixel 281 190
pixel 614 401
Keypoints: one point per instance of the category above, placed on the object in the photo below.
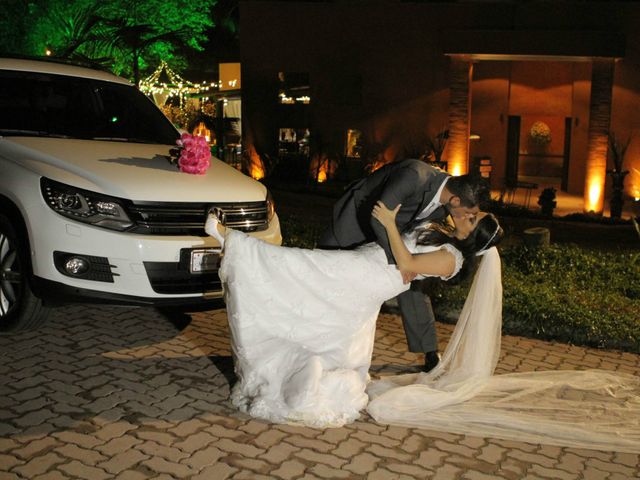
pixel 302 326
pixel 303 321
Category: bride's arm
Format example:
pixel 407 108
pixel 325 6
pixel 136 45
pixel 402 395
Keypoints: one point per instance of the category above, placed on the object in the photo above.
pixel 438 263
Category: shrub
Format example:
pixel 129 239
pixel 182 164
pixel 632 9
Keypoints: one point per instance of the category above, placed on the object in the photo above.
pixel 566 293
pixel 297 232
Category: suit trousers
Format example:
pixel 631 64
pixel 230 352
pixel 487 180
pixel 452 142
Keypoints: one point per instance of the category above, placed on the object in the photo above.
pixel 418 319
pixel 328 240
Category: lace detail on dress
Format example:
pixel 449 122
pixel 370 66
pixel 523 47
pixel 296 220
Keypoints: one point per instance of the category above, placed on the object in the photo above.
pixel 302 327
pixel 459 260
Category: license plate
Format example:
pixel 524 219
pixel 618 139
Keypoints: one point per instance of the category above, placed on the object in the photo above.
pixel 204 260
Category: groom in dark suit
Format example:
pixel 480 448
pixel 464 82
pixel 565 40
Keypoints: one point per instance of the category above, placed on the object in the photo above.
pixel 426 193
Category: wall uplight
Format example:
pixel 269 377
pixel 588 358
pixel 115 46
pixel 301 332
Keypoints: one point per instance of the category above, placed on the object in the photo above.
pixel 322 168
pixel 255 167
pixel 455 169
pixel 594 195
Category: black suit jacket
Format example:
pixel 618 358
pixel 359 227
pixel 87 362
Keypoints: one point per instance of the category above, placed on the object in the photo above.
pixel 410 182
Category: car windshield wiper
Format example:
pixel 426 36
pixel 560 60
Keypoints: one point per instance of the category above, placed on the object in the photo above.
pixel 111 139
pixel 123 139
pixel 30 133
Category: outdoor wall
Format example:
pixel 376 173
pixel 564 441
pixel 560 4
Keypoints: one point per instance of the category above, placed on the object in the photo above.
pixel 381 73
pixel 380 68
pixel 530 89
pixel 489 112
pixel 581 96
pixel 625 110
pixel 543 91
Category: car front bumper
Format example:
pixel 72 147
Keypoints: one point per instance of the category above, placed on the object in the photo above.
pixel 142 269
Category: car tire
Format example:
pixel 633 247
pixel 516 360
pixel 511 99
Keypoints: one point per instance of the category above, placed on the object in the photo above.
pixel 20 309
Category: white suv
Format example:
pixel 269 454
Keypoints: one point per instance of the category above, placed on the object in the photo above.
pixel 90 208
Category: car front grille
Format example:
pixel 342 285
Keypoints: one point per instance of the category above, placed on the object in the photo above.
pixel 173 278
pixel 169 218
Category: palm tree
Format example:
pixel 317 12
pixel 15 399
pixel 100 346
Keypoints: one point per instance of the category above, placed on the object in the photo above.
pixel 83 35
pixel 618 150
pixel 134 38
pixel 120 33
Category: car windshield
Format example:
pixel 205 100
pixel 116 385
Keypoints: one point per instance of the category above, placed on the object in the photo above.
pixel 37 104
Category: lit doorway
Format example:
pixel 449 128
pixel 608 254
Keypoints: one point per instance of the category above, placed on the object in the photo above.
pixel 538 150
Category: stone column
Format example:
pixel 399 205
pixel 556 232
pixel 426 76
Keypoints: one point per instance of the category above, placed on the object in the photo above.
pixel 599 120
pixel 461 71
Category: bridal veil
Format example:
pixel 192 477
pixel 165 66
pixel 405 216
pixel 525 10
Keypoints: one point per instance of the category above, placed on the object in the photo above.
pixel 593 409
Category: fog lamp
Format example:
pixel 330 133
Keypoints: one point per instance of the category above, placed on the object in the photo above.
pixel 76 266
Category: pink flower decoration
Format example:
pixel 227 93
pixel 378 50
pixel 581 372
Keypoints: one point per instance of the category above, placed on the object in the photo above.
pixel 194 155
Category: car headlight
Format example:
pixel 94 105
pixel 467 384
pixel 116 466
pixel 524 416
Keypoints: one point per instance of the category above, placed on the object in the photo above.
pixel 85 206
pixel 271 206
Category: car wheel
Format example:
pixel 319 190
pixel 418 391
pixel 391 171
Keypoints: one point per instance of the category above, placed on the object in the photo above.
pixel 20 309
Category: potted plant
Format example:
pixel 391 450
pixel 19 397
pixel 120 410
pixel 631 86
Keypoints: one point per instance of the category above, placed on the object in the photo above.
pixel 617 174
pixel 436 146
pixel 547 201
pixel 539 136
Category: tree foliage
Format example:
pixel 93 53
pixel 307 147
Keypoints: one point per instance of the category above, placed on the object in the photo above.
pixel 129 37
pixel 13 25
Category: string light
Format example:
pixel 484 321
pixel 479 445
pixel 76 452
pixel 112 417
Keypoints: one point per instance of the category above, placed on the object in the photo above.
pixel 284 99
pixel 178 86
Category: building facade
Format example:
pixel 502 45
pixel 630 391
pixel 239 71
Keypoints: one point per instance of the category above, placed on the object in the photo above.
pixel 534 90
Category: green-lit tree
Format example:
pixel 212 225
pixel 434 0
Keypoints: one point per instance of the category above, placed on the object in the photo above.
pixel 13 25
pixel 65 29
pixel 132 40
pixel 145 32
pixel 84 36
pixel 128 36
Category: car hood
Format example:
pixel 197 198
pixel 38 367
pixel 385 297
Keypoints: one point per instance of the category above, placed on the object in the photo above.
pixel 129 170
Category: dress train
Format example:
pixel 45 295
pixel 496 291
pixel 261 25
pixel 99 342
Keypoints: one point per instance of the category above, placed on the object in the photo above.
pixel 593 409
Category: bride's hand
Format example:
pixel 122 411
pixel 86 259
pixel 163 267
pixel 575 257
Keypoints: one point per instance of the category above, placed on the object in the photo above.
pixel 408 277
pixel 385 216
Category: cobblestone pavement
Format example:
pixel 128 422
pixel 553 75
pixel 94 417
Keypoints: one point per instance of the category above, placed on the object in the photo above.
pixel 106 392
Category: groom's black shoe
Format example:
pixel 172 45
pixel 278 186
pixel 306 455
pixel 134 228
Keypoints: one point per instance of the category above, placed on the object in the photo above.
pixel 431 359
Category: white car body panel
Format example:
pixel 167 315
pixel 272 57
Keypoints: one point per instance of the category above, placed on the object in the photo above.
pixel 128 170
pixel 136 172
pixel 50 231
pixel 27 65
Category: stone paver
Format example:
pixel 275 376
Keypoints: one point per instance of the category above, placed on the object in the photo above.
pixel 122 393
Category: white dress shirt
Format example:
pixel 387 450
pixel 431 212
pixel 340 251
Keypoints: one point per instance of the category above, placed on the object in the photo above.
pixel 434 203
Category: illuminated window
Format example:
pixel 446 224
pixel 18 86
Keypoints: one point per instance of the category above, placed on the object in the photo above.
pixel 293 141
pixel 294 88
pixel 354 143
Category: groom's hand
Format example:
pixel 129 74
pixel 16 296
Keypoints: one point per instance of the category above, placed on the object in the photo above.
pixel 407 277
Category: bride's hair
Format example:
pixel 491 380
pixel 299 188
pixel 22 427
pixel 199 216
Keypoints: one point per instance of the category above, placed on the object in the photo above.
pixel 487 234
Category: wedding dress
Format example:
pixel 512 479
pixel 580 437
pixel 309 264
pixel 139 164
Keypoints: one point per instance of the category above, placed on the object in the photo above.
pixel 302 326
pixel 302 331
pixel 593 409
